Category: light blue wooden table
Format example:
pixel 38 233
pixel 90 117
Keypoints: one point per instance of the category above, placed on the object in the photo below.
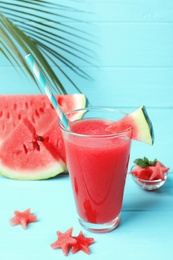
pixel 133 66
pixel 145 231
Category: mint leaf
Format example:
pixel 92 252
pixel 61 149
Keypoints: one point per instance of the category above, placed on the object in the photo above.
pixel 140 162
pixel 144 162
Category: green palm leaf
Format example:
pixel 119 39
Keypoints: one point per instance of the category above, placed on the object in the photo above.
pixel 30 27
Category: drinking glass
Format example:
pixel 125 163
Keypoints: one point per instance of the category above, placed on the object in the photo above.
pixel 97 161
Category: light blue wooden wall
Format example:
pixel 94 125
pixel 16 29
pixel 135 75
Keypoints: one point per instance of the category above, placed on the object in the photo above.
pixel 132 64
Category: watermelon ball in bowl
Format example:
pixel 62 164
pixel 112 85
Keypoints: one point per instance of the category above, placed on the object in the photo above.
pixel 149 175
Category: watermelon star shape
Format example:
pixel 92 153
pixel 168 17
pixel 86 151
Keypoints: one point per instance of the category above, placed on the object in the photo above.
pixel 159 171
pixel 149 170
pixel 83 243
pixel 23 218
pixel 64 241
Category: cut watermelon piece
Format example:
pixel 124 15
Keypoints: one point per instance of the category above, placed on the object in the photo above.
pixel 64 241
pixel 23 218
pixel 31 144
pixel 83 243
pixel 142 129
pixel 152 172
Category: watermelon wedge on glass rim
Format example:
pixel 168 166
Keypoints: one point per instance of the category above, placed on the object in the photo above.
pixel 31 144
pixel 142 128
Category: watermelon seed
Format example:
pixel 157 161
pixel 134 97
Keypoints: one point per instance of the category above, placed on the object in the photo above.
pixel 25 149
pixel 36 145
pixel 40 138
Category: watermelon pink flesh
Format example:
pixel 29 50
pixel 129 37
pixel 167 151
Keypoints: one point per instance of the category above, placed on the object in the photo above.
pixel 23 218
pixel 26 145
pixel 123 124
pixel 142 129
pixel 31 144
pixel 153 172
pixel 37 108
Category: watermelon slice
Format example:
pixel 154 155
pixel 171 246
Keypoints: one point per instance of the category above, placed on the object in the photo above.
pixel 31 144
pixel 37 108
pixel 141 123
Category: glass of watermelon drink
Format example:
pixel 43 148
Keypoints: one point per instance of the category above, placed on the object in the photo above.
pixel 97 161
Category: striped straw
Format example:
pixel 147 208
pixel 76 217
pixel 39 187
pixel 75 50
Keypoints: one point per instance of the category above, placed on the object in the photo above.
pixel 42 81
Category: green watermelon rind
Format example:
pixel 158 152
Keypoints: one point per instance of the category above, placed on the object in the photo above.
pixel 36 175
pixel 144 125
pixel 148 121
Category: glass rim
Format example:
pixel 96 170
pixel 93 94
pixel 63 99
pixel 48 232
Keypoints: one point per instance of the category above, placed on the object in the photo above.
pixel 119 134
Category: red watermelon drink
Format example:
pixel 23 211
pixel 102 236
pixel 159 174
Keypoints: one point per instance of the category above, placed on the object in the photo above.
pixel 97 162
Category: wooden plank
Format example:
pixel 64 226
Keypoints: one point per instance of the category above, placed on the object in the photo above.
pixel 121 45
pixel 131 11
pixel 136 44
pixel 129 86
pixel 120 87
pixel 117 10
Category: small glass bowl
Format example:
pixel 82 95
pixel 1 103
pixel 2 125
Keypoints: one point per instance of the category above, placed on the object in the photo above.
pixel 149 185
